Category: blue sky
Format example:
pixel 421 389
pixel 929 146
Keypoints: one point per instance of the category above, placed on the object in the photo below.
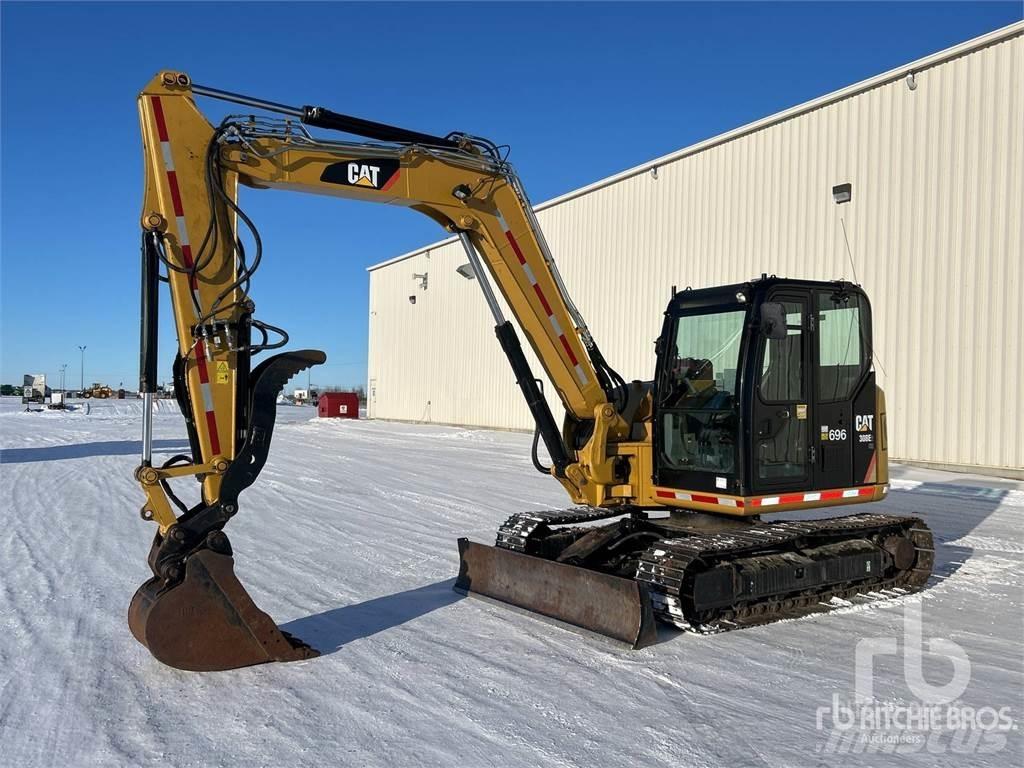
pixel 580 91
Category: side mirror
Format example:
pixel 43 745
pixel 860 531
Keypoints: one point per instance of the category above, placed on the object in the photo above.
pixel 773 320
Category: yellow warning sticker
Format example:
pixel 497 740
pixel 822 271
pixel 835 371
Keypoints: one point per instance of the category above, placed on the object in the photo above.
pixel 222 378
pixel 801 410
pixel 222 372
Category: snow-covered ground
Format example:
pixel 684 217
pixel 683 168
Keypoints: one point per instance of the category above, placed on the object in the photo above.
pixel 348 541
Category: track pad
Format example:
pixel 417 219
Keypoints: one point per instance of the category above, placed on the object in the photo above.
pixel 208 622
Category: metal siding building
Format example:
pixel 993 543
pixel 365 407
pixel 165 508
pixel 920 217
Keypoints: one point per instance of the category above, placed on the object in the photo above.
pixel 934 226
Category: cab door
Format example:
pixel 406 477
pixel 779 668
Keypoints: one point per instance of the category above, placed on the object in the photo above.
pixel 782 413
pixel 844 389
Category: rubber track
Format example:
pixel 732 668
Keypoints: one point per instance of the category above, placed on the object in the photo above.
pixel 667 566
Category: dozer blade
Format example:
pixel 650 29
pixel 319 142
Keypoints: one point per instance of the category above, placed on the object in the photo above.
pixel 208 622
pixel 606 605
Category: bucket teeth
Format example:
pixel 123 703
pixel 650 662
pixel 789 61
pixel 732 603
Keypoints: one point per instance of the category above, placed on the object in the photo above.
pixel 208 622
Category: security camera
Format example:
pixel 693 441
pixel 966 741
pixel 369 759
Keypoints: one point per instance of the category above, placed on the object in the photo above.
pixel 412 299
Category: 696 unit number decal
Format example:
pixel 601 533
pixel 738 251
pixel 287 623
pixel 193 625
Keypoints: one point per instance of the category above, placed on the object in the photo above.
pixel 829 435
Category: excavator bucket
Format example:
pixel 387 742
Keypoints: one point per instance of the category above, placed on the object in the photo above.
pixel 208 622
pixel 607 605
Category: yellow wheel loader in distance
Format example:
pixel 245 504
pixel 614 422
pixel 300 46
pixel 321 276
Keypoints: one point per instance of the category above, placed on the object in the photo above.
pixel 99 391
pixel 763 400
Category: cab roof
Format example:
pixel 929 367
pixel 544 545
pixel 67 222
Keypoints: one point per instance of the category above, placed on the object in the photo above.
pixel 753 291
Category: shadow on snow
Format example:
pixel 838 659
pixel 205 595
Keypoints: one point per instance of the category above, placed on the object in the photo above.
pixel 87 450
pixel 330 630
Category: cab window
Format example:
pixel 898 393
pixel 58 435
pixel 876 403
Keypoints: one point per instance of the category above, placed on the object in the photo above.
pixel 698 392
pixel 782 378
pixel 842 356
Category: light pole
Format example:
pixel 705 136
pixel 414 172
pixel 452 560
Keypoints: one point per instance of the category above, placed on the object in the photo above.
pixel 63 368
pixel 81 348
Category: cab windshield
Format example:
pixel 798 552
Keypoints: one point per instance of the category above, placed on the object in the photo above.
pixel 698 392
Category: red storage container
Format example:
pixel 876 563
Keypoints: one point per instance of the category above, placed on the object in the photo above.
pixel 338 405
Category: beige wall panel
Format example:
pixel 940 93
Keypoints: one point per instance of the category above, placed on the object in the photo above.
pixel 934 228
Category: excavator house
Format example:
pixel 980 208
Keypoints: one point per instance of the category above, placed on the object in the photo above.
pixel 763 400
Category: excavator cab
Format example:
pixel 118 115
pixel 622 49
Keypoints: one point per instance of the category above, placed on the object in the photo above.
pixel 766 387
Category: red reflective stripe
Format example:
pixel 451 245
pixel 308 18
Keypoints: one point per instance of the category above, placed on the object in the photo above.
pixel 568 349
pixel 204 375
pixel 515 247
pixel 204 378
pixel 158 113
pixel 391 181
pixel 211 424
pixel 543 301
pixel 798 498
pixel 172 179
pixel 699 498
pixel 186 256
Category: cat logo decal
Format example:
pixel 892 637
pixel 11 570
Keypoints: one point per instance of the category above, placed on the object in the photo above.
pixel 379 174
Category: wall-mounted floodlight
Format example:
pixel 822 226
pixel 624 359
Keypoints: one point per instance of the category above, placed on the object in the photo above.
pixel 412 299
pixel 467 271
pixel 842 193
pixel 911 81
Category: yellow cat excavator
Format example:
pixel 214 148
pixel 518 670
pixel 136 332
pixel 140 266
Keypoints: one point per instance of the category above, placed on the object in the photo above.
pixel 763 400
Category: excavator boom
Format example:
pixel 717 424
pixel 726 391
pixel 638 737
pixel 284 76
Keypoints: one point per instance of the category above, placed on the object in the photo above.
pixel 191 231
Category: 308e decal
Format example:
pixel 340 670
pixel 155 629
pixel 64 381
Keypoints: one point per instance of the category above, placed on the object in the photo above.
pixel 865 424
